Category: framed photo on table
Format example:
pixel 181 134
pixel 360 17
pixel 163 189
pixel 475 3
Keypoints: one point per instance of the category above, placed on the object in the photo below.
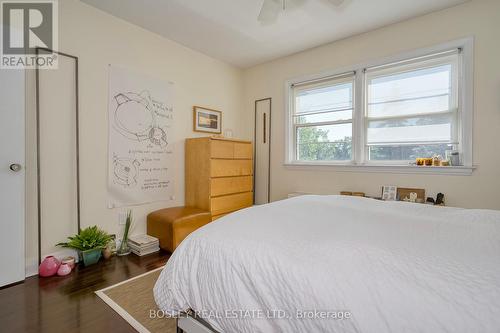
pixel 389 192
pixel 207 120
pixel 411 194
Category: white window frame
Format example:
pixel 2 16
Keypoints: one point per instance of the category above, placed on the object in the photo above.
pixel 336 79
pixel 359 153
pixel 416 64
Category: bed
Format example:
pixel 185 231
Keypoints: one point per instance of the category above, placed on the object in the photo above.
pixel 340 264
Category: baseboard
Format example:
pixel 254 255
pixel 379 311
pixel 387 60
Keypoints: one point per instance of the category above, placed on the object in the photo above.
pixel 31 268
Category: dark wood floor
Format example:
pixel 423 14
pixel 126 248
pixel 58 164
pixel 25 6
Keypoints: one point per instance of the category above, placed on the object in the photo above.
pixel 68 304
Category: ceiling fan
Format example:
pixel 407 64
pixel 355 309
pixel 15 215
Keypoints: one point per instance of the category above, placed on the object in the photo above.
pixel 271 8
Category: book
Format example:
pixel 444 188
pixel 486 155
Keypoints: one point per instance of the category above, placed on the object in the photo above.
pixel 142 240
pixel 143 244
pixel 143 248
pixel 143 253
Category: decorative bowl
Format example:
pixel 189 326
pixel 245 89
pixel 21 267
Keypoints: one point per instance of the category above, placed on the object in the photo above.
pixel 70 261
pixel 49 266
pixel 64 269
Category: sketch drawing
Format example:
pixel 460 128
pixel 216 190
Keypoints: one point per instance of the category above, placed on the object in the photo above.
pixel 140 137
pixel 125 171
pixel 137 117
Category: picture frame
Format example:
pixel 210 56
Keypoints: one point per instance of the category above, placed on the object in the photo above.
pixel 389 192
pixel 411 194
pixel 207 120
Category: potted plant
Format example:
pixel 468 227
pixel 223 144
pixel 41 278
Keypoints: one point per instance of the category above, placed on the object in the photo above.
pixel 124 248
pixel 89 243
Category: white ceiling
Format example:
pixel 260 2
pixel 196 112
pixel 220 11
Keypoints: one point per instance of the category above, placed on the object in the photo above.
pixel 228 29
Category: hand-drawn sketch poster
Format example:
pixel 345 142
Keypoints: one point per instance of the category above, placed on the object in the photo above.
pixel 140 116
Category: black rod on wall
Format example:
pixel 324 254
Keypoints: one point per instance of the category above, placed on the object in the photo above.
pixel 264 141
pixel 77 133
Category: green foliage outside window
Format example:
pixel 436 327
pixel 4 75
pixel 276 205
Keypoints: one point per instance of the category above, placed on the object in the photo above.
pixel 313 145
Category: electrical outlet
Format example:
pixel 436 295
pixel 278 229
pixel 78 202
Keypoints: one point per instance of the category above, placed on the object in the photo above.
pixel 172 197
pixel 122 218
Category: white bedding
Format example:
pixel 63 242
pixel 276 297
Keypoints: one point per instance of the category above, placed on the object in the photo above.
pixel 394 266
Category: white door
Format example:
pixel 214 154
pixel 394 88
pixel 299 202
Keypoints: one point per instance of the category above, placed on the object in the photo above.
pixel 12 105
pixel 262 150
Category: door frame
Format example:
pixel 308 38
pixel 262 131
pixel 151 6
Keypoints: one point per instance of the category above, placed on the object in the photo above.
pixel 255 146
pixel 77 151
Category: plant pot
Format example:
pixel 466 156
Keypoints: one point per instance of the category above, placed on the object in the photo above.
pixel 124 250
pixel 91 257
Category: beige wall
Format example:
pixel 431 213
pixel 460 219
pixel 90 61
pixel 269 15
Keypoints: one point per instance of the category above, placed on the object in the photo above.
pixel 480 19
pixel 99 39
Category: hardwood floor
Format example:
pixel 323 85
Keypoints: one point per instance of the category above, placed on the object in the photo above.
pixel 68 304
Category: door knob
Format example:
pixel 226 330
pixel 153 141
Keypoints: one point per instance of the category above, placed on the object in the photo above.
pixel 15 167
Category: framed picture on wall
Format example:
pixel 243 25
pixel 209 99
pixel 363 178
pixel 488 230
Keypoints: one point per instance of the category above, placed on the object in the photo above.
pixel 207 120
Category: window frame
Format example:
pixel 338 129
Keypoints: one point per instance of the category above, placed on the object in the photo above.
pixel 337 80
pixel 413 65
pixel 360 160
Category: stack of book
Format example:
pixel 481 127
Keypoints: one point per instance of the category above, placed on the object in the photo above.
pixel 143 244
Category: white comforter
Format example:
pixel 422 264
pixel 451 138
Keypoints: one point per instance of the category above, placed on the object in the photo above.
pixel 394 266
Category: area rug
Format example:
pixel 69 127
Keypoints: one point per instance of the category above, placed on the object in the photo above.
pixel 133 300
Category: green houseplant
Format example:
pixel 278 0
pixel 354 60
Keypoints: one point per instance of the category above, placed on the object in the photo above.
pixel 124 248
pixel 89 243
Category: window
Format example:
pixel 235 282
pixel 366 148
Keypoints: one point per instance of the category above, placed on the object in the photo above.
pixel 322 119
pixel 412 109
pixel 388 113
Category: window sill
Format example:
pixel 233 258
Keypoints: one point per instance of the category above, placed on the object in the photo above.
pixel 380 168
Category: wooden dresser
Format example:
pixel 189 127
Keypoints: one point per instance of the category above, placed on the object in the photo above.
pixel 219 175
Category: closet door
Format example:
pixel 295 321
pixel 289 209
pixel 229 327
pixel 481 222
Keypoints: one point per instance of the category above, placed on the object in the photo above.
pixel 262 172
pixel 58 156
pixel 12 176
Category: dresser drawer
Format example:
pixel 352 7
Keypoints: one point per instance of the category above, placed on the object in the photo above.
pixel 230 203
pixel 227 168
pixel 230 185
pixel 221 149
pixel 243 150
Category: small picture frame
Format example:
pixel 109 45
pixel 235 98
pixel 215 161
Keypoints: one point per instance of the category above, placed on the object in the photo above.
pixel 389 192
pixel 207 120
pixel 411 194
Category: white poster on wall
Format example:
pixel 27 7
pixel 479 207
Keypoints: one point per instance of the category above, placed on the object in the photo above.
pixel 140 156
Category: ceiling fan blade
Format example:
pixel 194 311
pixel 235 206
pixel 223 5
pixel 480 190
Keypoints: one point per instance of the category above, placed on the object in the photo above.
pixel 337 2
pixel 289 4
pixel 269 11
